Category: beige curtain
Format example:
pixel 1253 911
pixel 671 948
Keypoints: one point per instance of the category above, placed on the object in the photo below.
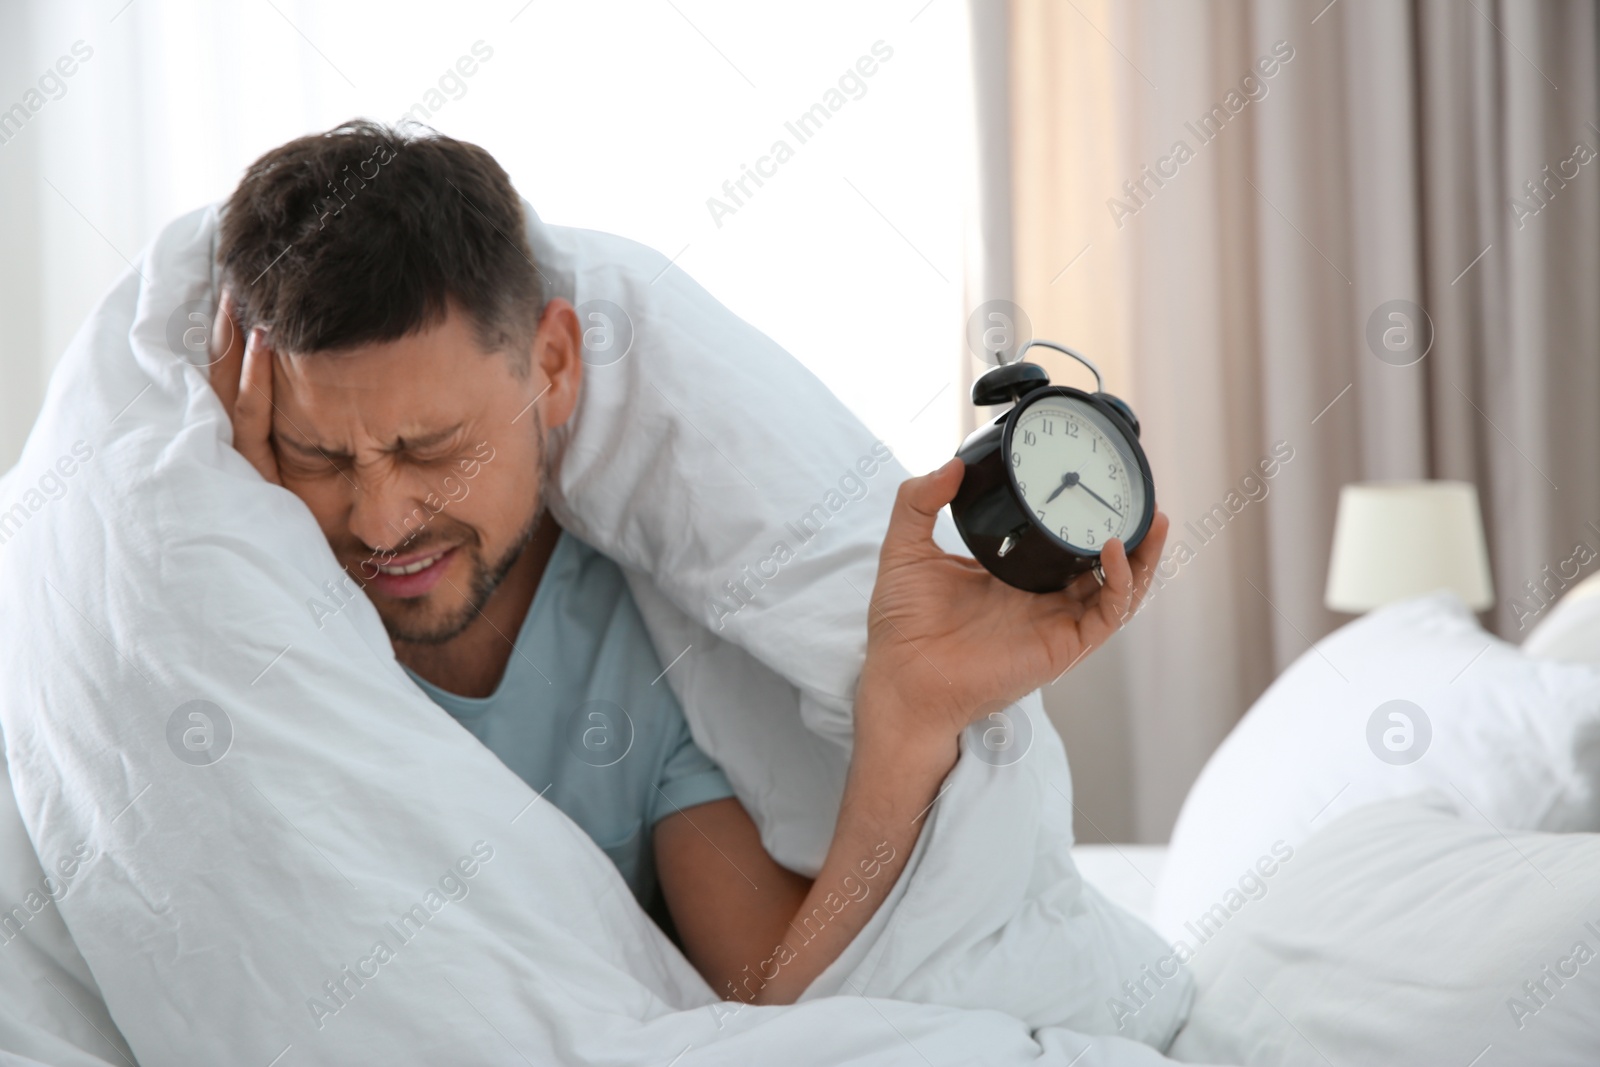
pixel 1308 167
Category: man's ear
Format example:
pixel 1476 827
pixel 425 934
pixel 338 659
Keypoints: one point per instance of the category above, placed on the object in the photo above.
pixel 558 360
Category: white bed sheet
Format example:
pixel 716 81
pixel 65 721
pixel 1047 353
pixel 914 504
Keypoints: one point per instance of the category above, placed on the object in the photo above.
pixel 1126 874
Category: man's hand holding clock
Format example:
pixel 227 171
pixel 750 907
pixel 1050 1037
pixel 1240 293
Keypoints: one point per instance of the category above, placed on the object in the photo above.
pixel 947 639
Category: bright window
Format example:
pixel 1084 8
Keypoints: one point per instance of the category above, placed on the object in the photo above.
pixel 625 117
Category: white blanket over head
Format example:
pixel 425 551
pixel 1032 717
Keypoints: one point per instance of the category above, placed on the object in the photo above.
pixel 356 879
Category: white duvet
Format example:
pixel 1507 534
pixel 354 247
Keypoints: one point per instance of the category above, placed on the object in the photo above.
pixel 357 879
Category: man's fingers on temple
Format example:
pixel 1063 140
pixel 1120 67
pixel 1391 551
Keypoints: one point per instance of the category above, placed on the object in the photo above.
pixel 255 386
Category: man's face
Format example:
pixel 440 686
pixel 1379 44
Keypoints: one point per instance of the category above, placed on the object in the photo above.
pixel 423 459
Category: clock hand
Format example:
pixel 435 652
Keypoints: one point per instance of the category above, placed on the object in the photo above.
pixel 1068 480
pixel 1100 498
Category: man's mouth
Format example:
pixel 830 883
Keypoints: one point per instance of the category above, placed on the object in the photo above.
pixel 411 576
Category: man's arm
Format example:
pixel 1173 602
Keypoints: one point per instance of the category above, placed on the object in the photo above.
pixel 945 639
pixel 756 930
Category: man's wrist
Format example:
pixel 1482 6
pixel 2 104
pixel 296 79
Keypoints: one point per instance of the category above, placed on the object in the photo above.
pixel 889 720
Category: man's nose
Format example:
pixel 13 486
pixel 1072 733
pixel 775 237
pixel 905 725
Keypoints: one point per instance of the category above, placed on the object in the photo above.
pixel 388 510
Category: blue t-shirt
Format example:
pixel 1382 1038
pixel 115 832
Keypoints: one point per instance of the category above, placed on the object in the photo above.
pixel 584 716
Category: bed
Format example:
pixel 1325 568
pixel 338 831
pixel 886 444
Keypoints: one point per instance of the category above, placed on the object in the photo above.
pixel 227 911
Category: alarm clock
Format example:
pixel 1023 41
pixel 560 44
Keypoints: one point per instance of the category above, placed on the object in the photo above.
pixel 1052 479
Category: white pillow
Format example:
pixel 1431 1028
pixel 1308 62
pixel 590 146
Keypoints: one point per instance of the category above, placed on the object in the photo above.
pixel 1570 633
pixel 1405 935
pixel 1503 736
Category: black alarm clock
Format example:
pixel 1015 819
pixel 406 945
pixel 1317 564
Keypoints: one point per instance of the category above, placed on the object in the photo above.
pixel 1051 480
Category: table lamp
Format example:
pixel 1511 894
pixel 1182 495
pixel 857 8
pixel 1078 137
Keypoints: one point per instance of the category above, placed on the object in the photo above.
pixel 1394 540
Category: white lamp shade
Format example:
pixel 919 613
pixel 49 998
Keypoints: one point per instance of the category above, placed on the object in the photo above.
pixel 1395 540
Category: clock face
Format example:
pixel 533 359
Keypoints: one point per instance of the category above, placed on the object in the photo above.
pixel 1076 473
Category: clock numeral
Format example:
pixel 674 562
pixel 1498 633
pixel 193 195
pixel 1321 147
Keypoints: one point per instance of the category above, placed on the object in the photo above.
pixel 1028 437
pixel 1072 429
pixel 1094 444
pixel 1039 513
pixel 1108 526
pixel 1022 487
pixel 1016 460
pixel 1116 501
pixel 1064 536
pixel 1049 427
pixel 1111 469
pixel 1091 537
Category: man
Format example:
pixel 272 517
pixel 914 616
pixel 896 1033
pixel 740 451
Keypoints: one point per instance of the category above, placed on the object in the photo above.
pixel 397 365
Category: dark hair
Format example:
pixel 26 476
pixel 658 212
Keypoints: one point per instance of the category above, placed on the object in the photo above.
pixel 367 233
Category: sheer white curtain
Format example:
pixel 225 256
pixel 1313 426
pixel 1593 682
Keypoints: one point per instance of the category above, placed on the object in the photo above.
pixel 623 116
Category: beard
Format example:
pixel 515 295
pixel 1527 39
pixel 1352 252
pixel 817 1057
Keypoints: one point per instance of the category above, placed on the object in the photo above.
pixel 412 622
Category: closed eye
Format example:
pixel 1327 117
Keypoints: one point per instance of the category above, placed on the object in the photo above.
pixel 309 457
pixel 439 447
